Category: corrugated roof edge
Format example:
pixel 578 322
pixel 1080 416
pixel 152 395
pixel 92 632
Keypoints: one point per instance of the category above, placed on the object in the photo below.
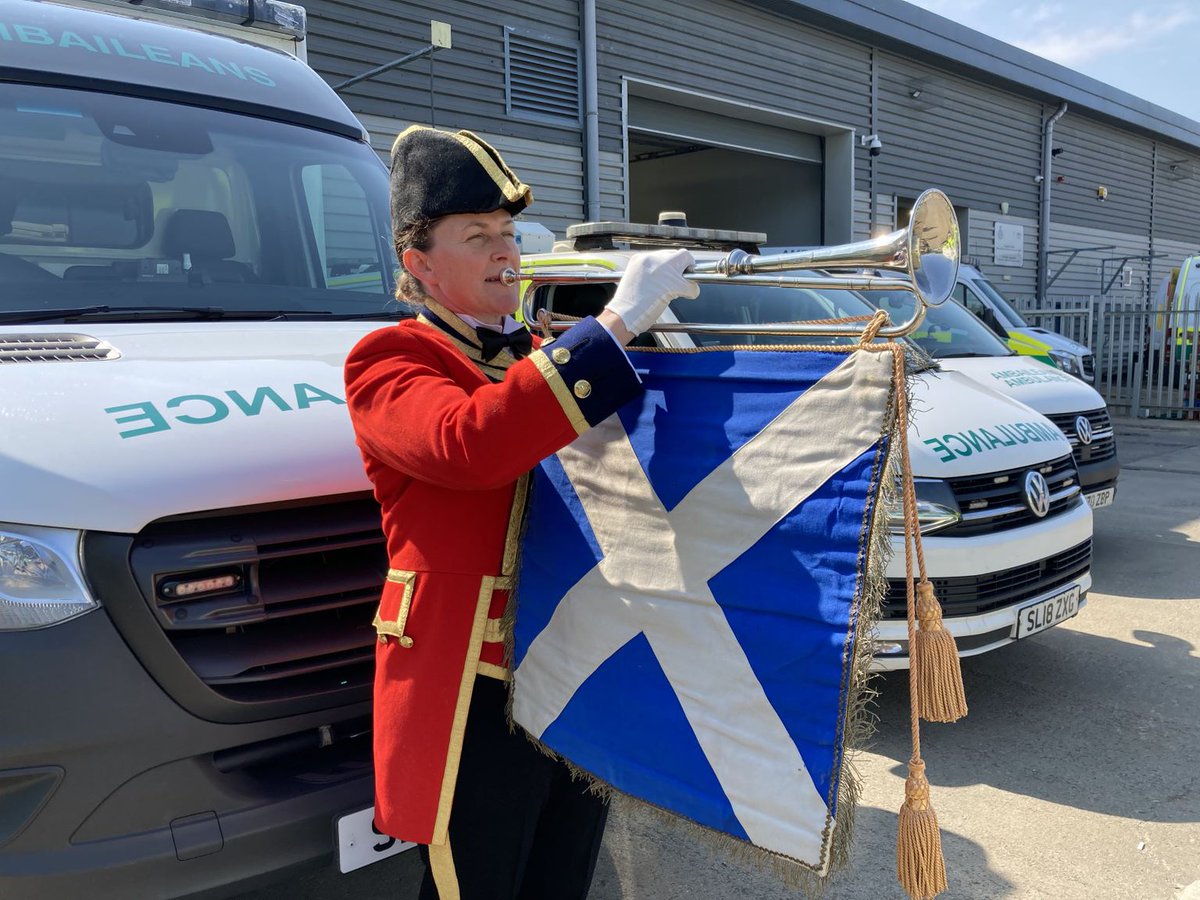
pixel 896 25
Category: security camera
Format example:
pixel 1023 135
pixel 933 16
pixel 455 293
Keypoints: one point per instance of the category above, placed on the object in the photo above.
pixel 873 144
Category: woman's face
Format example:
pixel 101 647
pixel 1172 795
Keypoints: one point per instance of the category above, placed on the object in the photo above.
pixel 461 268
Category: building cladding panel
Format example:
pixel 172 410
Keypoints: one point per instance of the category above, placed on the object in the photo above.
pixel 348 37
pixel 979 144
pixel 732 51
pixel 1097 155
pixel 1091 273
pixel 554 171
pixel 1177 195
pixel 974 136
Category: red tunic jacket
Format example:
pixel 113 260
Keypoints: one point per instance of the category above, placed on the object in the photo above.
pixel 447 440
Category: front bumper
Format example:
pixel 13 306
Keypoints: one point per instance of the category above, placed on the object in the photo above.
pixel 972 634
pixel 122 793
pixel 985 626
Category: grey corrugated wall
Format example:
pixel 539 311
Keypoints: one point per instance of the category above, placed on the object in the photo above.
pixel 979 143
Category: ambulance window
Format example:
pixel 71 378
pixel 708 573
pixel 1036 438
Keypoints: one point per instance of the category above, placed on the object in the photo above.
pixel 968 299
pixel 347 245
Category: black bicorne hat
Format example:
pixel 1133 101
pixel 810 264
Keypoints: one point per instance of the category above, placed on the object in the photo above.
pixel 442 173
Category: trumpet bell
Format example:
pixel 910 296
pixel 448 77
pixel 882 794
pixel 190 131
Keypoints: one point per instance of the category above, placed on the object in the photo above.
pixel 926 251
pixel 934 248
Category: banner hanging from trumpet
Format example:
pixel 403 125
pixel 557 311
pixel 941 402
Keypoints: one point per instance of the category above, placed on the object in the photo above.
pixel 695 589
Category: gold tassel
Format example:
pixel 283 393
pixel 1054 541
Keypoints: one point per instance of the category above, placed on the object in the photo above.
pixel 940 694
pixel 920 865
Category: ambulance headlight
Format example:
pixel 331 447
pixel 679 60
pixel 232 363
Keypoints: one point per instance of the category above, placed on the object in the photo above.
pixel 1068 362
pixel 40 578
pixel 936 507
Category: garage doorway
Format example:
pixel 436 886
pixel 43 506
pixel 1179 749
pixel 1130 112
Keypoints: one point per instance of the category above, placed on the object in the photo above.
pixel 735 165
pixel 722 188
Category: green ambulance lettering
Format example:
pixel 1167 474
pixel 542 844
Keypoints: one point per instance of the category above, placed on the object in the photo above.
pixel 219 409
pixel 192 61
pixel 121 51
pixel 206 409
pixel 71 39
pixel 306 395
pixel 976 440
pixel 260 76
pixel 945 454
pixel 159 54
pixel 1028 430
pixel 1047 432
pixel 994 441
pixel 146 413
pixel 254 407
pixel 1012 434
pixel 31 34
pixel 972 441
pixel 110 46
pixel 965 451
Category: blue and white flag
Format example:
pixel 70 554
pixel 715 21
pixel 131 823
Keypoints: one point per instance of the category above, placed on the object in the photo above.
pixel 691 584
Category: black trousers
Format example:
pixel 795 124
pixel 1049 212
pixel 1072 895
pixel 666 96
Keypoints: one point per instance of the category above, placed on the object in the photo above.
pixel 520 828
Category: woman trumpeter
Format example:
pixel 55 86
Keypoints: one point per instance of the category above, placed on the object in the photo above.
pixel 451 411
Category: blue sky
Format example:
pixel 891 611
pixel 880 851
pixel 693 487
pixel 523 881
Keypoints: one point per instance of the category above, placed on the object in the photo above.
pixel 1144 48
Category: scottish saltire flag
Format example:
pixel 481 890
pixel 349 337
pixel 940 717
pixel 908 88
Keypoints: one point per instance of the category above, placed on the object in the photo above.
pixel 690 585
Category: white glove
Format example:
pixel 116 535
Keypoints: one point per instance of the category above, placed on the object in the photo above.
pixel 649 283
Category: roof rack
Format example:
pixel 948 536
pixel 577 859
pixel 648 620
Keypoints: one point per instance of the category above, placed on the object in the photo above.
pixel 634 235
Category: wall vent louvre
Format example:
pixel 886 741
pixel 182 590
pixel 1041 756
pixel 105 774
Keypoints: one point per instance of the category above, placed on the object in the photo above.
pixel 541 78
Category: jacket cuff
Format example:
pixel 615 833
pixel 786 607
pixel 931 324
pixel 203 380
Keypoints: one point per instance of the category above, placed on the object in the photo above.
pixel 588 372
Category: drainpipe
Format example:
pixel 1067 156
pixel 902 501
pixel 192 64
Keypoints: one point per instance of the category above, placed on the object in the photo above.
pixel 591 116
pixel 1044 216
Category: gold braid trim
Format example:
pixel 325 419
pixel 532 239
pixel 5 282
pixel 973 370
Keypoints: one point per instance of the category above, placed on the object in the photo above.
pixel 441 825
pixel 445 876
pixel 504 177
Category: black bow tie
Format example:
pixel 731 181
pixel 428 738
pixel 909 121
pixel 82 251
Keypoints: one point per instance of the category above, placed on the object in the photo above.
pixel 520 341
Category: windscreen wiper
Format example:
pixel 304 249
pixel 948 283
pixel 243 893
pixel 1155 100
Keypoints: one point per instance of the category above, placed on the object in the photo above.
pixel 28 316
pixel 182 313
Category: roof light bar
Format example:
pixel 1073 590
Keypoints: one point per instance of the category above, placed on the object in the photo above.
pixel 271 15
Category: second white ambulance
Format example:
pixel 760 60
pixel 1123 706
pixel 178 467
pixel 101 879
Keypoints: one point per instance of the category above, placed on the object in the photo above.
pixel 1006 531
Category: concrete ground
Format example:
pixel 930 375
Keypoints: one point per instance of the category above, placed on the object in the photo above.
pixel 1076 775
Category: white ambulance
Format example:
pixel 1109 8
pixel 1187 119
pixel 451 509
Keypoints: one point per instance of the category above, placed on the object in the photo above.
pixel 194 231
pixel 1006 531
pixel 960 342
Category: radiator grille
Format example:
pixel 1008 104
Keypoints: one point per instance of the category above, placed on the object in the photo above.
pixel 284 601
pixel 1104 442
pixel 996 501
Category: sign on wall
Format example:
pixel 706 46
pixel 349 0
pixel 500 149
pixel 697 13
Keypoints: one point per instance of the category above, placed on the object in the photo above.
pixel 1009 246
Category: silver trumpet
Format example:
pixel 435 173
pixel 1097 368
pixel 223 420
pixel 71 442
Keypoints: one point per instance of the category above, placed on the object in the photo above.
pixel 927 252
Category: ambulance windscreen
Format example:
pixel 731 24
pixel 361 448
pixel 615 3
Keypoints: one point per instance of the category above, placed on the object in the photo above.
pixel 126 202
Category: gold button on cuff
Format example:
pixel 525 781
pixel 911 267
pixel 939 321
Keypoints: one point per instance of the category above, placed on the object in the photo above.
pixel 583 389
pixel 561 355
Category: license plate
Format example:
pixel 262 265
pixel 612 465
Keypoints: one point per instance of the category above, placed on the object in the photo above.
pixel 1097 499
pixel 1045 613
pixel 359 844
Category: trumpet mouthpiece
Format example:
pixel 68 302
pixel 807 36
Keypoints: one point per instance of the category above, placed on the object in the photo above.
pixel 509 277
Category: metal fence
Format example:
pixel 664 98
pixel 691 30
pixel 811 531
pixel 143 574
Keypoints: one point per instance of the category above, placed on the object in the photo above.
pixel 1145 360
pixel 1071 317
